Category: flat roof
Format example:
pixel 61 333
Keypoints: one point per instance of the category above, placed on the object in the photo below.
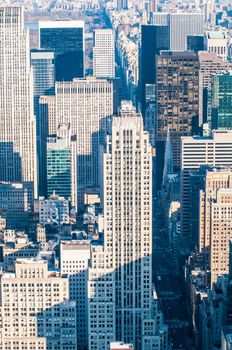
pixel 62 24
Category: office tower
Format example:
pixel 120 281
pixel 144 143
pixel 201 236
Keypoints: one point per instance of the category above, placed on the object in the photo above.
pixel 216 181
pixel 54 209
pixel 153 39
pixel 210 64
pixel 221 234
pixel 122 5
pixel 180 26
pixel 74 262
pixel 87 105
pixel 195 43
pixel 196 151
pixel 104 54
pixel 17 203
pixel 18 129
pixel 43 65
pixel 66 39
pixel 120 274
pixel 221 97
pixel 62 164
pixel 41 316
pixel 217 42
pixel 176 102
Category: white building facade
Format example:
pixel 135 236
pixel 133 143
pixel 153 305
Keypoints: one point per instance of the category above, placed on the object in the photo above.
pixel 18 128
pixel 104 54
pixel 120 279
pixel 74 261
pixel 35 311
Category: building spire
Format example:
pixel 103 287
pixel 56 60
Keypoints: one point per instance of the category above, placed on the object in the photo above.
pixel 168 157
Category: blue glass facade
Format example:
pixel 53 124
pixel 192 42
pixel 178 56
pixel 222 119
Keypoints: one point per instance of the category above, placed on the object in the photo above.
pixel 59 171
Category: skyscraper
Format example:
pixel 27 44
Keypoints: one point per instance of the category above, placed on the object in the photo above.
pixel 66 39
pixel 180 26
pixel 122 268
pixel 221 90
pixel 176 102
pixel 18 128
pixel 43 63
pixel 153 39
pixel 196 151
pixel 210 64
pixel 87 106
pixel 104 54
pixel 58 167
pixel 62 164
pixel 215 220
pixel 122 5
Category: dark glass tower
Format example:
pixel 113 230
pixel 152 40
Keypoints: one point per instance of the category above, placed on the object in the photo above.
pixel 177 94
pixel 153 39
pixel 195 43
pixel 66 39
pixel 43 65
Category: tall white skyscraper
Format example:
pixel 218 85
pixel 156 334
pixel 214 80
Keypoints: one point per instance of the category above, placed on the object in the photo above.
pixel 104 54
pixel 180 26
pixel 18 128
pixel 122 270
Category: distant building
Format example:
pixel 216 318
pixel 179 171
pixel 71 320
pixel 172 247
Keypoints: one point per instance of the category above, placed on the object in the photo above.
pixel 43 63
pixel 74 262
pixel 221 90
pixel 104 54
pixel 122 5
pixel 66 39
pixel 55 209
pixel 17 203
pixel 153 39
pixel 41 304
pixel 180 25
pixel 217 42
